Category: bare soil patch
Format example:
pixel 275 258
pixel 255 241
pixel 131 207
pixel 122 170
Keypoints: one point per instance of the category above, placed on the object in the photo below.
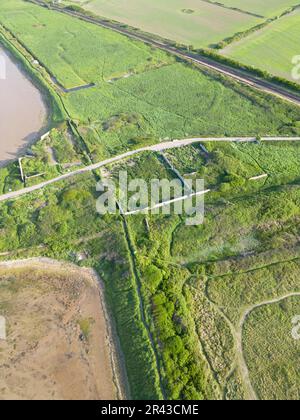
pixel 58 344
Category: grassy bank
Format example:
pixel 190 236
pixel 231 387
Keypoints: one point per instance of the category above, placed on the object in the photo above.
pixel 56 111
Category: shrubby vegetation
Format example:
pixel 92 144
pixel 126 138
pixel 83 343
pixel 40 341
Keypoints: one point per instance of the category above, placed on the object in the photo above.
pixel 61 222
pixel 183 369
pixel 194 281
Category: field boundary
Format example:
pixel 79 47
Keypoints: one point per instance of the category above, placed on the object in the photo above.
pixel 252 77
pixel 235 9
pixel 141 303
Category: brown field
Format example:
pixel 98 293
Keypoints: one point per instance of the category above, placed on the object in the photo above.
pixel 58 344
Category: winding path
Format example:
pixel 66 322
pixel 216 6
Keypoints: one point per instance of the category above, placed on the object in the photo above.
pixel 251 394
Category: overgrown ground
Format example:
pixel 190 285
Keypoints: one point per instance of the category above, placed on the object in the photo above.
pixel 124 110
pixel 272 376
pixel 178 294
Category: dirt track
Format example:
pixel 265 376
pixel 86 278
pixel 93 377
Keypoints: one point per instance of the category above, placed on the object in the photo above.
pixel 239 341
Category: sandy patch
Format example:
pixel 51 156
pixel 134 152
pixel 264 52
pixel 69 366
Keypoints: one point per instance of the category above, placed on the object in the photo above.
pixel 58 342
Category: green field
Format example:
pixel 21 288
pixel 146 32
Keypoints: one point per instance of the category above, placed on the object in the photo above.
pixel 268 8
pixel 186 21
pixel 272 354
pixel 77 53
pixel 272 48
pixel 125 109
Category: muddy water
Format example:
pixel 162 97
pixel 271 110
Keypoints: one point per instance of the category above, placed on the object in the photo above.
pixel 22 110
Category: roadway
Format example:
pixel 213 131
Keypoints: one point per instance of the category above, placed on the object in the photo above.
pixel 159 147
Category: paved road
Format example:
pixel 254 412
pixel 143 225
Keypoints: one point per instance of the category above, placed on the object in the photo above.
pixel 155 148
pixel 240 75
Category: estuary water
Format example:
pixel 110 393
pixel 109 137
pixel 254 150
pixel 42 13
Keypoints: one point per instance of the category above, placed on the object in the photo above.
pixel 22 109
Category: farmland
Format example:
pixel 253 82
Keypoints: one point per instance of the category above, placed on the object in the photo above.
pixel 268 8
pixel 272 48
pixel 125 89
pixel 185 21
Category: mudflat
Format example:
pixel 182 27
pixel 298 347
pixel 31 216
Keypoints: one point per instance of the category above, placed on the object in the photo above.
pixel 58 344
pixel 22 109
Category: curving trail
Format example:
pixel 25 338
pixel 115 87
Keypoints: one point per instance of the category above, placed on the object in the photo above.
pixel 159 147
pixel 251 394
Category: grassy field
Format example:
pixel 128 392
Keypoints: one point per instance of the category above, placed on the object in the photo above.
pixel 188 104
pixel 125 109
pixel 272 48
pixel 185 21
pixel 204 278
pixel 268 8
pixel 271 352
pixel 61 222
